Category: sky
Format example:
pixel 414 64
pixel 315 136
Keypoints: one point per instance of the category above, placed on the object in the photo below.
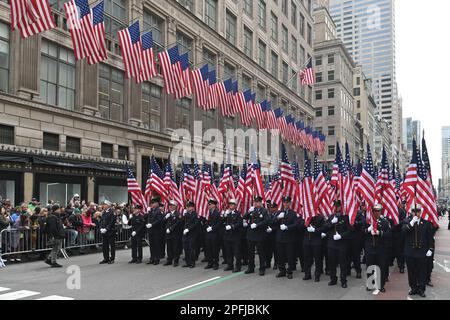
pixel 423 69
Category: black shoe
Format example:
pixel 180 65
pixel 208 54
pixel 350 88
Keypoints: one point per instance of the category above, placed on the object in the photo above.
pixel 332 283
pixel 104 262
pixel 168 263
pixel 402 270
pixel 224 262
pixel 430 284
pixel 248 271
pixel 192 266
pixel 268 266
pixel 216 267
pixel 111 261
pixel 281 274
pixel 289 276
pixel 383 290
pixel 209 266
pixel 175 264
pixel 156 262
pixel 412 292
pixel 149 262
pixel 422 294
pixel 56 265
pixel 262 272
pixel 132 261
pixel 186 265
pixel 139 262
pixel 204 260
pixel 358 275
pixel 228 268
pixel 317 279
pixel 344 285
pixel 307 277
pixel 48 261
pixel 237 270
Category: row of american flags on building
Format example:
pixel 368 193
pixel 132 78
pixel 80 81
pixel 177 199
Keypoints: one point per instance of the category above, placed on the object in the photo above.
pixel 313 191
pixel 87 29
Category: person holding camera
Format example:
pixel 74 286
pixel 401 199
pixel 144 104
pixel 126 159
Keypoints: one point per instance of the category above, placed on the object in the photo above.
pixel 55 230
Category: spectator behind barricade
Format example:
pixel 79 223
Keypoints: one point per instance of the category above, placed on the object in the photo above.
pixel 72 223
pixel 19 235
pixel 5 219
pixel 87 232
pixel 33 204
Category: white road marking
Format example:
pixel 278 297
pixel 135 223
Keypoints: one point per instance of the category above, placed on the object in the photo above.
pixel 446 269
pixel 4 289
pixel 18 295
pixel 376 292
pixel 55 297
pixel 185 288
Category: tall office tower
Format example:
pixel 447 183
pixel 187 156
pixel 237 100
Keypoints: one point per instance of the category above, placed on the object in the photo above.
pixel 445 185
pixel 367 28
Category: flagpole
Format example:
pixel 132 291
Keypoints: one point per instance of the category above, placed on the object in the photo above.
pixel 300 69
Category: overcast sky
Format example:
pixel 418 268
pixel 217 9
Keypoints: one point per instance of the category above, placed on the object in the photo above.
pixel 423 70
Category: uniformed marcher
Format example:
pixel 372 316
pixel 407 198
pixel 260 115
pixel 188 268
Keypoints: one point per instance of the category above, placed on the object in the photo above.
pixel 154 226
pixel 398 239
pixel 338 229
pixel 232 237
pixel 137 223
pixel 191 230
pixel 356 241
pixel 258 219
pixel 108 231
pixel 269 241
pixel 418 246
pixel 312 247
pixel 212 238
pixel 173 232
pixel 286 223
pixel 376 244
pixel 430 259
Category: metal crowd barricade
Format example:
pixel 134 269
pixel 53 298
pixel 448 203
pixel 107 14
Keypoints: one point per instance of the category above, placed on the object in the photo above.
pixel 14 242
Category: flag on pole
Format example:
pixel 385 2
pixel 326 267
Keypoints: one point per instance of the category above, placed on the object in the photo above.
pixel 148 67
pixel 99 33
pixel 307 76
pixel 171 70
pixel 131 50
pixel 200 80
pixel 31 17
pixel 136 193
pixel 309 194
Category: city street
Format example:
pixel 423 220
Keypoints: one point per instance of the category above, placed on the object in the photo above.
pixel 123 281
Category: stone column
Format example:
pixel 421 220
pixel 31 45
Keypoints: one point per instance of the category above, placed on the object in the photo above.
pixel 28 185
pixel 89 87
pixel 90 189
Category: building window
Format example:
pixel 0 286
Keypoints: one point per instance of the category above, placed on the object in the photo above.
pixel 73 145
pixel 231 28
pixel 318 94
pixel 331 110
pixel 57 76
pixel 262 14
pixel 293 14
pixel 184 44
pixel 318 112
pixel 107 150
pixel 331 75
pixel 284 38
pixel 331 59
pixel 358 81
pixel 248 42
pixel 318 77
pixel 274 101
pixel 260 93
pixel 358 104
pixel 274 66
pixel 182 114
pixel 358 116
pixel 302 25
pixel 115 20
pixel 294 51
pixel 110 93
pixel 209 119
pixel 51 141
pixel 356 92
pixel 274 27
pixel 285 72
pixel 331 150
pixel 188 4
pixel 151 106
pixel 229 71
pixel 210 59
pixel 318 60
pixel 331 93
pixel 4 57
pixel 123 153
pixel 262 54
pixel 211 13
pixel 155 24
pixel 246 82
pixel 309 35
pixel 331 131
pixel 284 7
pixel 6 134
pixel 248 7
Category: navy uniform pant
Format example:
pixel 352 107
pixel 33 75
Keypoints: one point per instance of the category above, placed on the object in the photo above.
pixel 417 272
pixel 338 256
pixel 259 245
pixel 286 254
pixel 313 253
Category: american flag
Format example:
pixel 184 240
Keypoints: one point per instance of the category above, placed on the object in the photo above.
pixel 155 181
pixel 31 17
pixel 258 185
pixel 224 88
pixel 366 185
pixel 130 43
pixel 226 184
pixel 347 189
pixel 172 191
pixel 390 199
pixel 287 175
pixel 187 185
pixel 200 79
pixel 213 95
pixel 234 96
pixel 90 41
pixel 297 199
pixel 426 162
pixel 278 115
pixel 310 194
pixel 259 111
pixel 200 199
pixel 148 67
pixel 185 77
pixel 276 190
pixel 136 193
pixel 241 190
pixel 307 76
pixel 99 31
pixel 74 26
pixel 171 70
pixel 271 118
pixel 323 199
pixel 244 101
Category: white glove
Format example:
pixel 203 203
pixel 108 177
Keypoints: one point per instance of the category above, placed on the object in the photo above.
pixel 414 221
pixel 429 253
pixel 311 229
pixel 323 235
pixel 167 231
pixel 281 215
pixel 133 233
pixel 209 229
pixel 283 227
pixel 251 209
pixel 226 213
pixel 184 211
pixel 148 225
pixel 375 233
pixel 228 228
pixel 337 237
pixel 185 231
pixel 245 224
pixel 167 216
pixel 334 220
pixel 103 230
pixel 269 230
pixel 253 226
pixel 369 229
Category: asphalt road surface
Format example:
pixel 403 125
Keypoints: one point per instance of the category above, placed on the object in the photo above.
pixel 35 280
